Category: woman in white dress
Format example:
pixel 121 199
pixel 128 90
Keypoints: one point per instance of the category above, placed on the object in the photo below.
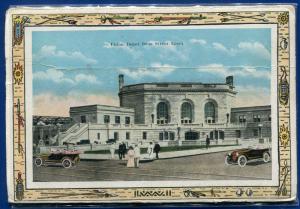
pixel 137 155
pixel 150 150
pixel 112 149
pixel 130 157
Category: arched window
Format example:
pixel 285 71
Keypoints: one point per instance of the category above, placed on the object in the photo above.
pixel 210 112
pixel 186 112
pixel 162 113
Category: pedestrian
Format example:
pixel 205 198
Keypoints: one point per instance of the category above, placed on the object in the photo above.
pixel 120 151
pixel 124 150
pixel 137 155
pixel 150 150
pixel 112 150
pixel 156 149
pixel 130 157
pixel 207 142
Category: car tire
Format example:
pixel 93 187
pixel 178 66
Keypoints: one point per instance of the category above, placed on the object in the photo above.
pixel 66 163
pixel 266 157
pixel 227 160
pixel 242 161
pixel 38 162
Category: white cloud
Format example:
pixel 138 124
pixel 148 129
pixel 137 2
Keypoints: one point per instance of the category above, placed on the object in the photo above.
pixel 157 70
pixel 52 51
pixel 198 41
pixel 53 75
pixel 44 103
pixel 58 76
pixel 213 68
pixel 255 48
pixel 221 47
pixel 243 71
pixel 86 78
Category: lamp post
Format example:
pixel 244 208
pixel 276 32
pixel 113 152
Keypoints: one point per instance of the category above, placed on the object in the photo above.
pixel 260 132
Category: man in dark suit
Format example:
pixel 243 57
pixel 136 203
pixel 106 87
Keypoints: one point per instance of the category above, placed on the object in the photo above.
pixel 156 149
pixel 124 149
pixel 120 151
pixel 207 142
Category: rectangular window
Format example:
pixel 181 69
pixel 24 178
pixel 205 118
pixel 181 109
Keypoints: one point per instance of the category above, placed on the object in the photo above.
pixel 83 119
pixel 242 118
pixel 161 136
pixel 127 120
pixel 255 132
pixel 256 118
pixel 166 136
pixel 144 135
pixel 238 133
pixel 127 135
pixel 98 136
pixel 270 118
pixel 172 136
pixel 117 119
pixel 106 118
pixel 116 136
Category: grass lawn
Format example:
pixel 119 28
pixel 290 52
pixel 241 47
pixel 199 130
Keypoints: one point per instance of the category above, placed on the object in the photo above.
pixel 162 149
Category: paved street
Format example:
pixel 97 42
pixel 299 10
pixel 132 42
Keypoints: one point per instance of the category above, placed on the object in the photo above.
pixel 199 167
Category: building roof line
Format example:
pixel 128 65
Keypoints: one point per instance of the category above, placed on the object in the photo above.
pixel 173 83
pixel 99 105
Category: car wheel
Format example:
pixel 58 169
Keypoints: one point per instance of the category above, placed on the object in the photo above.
pixel 227 160
pixel 38 162
pixel 266 157
pixel 67 163
pixel 242 161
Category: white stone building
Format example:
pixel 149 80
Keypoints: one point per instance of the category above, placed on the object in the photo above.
pixel 167 112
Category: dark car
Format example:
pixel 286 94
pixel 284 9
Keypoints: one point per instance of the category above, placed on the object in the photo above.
pixel 66 158
pixel 244 156
pixel 110 141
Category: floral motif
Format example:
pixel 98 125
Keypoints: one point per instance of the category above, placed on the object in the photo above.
pixel 18 73
pixel 284 135
pixel 283 18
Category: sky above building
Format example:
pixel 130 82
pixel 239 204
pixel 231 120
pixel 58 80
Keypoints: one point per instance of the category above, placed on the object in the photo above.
pixel 73 68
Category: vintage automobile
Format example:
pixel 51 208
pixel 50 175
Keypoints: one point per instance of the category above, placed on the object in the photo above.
pixel 65 158
pixel 246 155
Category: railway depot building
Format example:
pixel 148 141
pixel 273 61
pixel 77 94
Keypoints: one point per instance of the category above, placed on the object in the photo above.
pixel 171 112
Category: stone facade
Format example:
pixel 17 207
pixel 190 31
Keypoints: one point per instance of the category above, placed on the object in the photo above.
pixel 172 112
pixel 144 99
pixel 102 114
pixel 257 120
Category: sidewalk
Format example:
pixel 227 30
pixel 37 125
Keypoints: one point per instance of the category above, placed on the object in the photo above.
pixel 165 155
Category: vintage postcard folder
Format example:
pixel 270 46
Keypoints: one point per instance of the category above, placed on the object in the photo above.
pixel 151 104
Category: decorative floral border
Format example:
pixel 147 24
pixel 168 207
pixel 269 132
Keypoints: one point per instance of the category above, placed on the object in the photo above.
pixel 22 194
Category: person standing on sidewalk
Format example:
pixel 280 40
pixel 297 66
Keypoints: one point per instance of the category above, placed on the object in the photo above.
pixel 120 151
pixel 150 150
pixel 137 155
pixel 112 150
pixel 156 149
pixel 207 142
pixel 130 157
pixel 124 150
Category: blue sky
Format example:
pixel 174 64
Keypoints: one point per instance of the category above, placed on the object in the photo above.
pixel 82 67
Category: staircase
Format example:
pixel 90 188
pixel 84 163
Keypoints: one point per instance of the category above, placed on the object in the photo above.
pixel 73 133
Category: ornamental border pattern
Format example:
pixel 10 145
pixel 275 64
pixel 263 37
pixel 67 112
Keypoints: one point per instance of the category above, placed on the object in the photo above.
pixel 22 194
